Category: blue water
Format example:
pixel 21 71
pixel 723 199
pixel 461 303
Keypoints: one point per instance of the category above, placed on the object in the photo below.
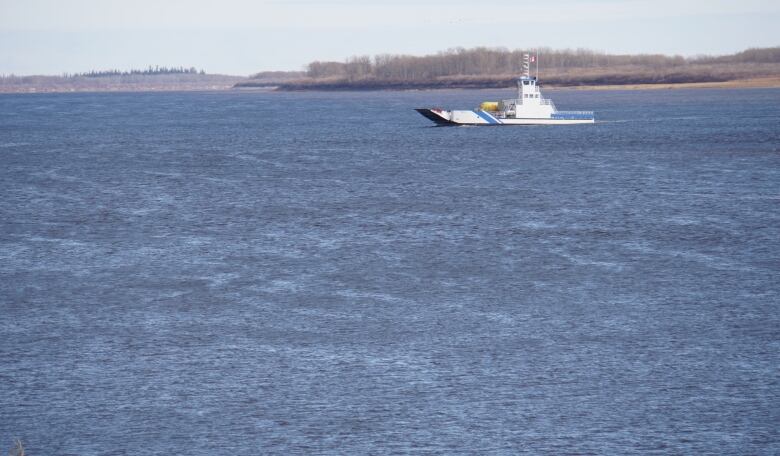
pixel 316 273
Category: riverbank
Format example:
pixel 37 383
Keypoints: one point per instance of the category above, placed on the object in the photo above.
pixel 118 83
pixel 754 83
pixel 767 75
pixel 230 84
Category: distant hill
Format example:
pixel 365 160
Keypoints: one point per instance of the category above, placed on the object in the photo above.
pixel 497 68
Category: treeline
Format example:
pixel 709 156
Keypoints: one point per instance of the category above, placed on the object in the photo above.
pixel 484 61
pixel 753 55
pixel 150 71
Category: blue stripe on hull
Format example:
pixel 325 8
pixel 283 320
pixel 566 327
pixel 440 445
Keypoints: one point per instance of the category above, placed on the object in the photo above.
pixel 487 117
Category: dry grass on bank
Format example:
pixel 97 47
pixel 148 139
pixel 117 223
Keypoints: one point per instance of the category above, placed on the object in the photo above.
pixel 755 83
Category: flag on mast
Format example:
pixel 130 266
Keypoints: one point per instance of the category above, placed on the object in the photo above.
pixel 536 59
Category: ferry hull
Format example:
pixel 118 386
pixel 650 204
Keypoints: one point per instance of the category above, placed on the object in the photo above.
pixel 485 118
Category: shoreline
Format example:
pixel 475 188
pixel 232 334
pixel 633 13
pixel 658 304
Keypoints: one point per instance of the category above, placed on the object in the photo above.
pixel 114 89
pixel 747 83
pixel 752 83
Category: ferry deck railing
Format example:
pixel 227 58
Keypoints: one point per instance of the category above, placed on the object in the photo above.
pixel 519 101
pixel 574 115
pixel 580 113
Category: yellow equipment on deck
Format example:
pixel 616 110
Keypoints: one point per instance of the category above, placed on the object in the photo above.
pixel 489 106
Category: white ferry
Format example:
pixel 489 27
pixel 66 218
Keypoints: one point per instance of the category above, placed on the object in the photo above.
pixel 529 108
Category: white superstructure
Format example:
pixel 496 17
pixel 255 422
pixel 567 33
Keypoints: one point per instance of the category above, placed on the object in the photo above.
pixel 529 108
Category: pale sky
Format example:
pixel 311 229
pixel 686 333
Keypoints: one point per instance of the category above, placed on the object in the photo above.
pixel 243 37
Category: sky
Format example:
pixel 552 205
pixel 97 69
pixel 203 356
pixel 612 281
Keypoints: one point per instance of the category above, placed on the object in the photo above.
pixel 242 37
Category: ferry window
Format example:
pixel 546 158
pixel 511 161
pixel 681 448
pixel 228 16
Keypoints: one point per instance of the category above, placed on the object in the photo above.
pixel 525 82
